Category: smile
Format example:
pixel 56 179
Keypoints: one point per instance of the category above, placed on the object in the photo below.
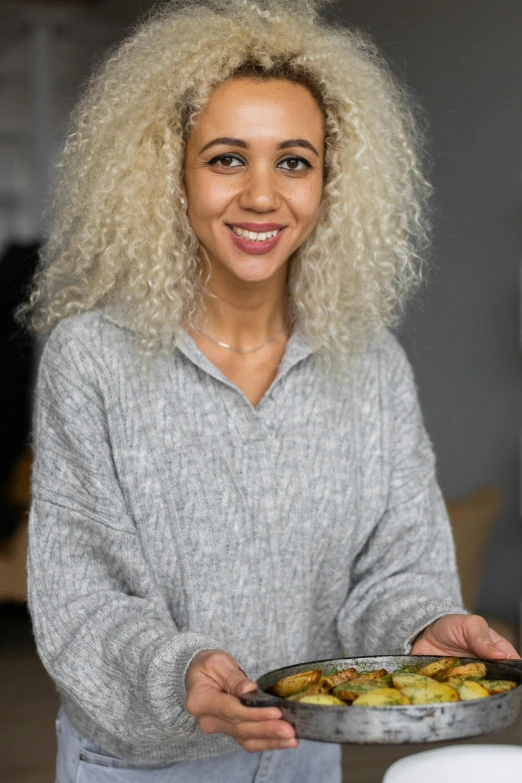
pixel 254 236
pixel 255 242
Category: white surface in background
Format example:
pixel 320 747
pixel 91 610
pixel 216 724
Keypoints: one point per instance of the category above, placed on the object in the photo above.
pixel 458 764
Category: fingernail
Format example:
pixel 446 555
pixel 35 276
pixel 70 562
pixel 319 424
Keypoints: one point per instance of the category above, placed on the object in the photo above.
pixel 289 743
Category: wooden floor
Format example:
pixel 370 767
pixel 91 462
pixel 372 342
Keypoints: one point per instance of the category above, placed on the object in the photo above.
pixel 29 702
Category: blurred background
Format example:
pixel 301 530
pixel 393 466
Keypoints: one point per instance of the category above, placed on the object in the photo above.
pixel 464 61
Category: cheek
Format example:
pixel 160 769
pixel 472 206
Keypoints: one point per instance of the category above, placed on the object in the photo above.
pixel 305 205
pixel 208 196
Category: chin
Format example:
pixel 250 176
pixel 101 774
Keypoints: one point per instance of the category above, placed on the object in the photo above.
pixel 255 271
pixel 254 277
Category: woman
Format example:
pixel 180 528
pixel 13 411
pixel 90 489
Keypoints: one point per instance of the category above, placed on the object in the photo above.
pixel 231 471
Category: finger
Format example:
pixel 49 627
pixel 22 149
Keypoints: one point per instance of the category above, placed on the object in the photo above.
pixel 236 683
pixel 256 746
pixel 509 652
pixel 224 671
pixel 478 638
pixel 507 649
pixel 247 686
pixel 202 702
pixel 483 647
pixel 277 729
pixel 231 709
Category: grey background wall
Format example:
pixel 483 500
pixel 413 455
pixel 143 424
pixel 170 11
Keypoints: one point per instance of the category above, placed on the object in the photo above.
pixel 463 58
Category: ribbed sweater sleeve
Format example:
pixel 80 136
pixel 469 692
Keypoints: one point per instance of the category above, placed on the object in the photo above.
pixel 103 630
pixel 405 575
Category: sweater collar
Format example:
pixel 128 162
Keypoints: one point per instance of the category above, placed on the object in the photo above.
pixel 297 349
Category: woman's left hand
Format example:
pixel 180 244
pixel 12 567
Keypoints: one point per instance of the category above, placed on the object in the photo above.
pixel 463 635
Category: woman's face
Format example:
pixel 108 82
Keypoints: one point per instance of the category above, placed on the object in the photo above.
pixel 254 163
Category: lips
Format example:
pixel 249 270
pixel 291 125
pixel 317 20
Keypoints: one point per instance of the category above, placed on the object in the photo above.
pixel 258 227
pixel 251 245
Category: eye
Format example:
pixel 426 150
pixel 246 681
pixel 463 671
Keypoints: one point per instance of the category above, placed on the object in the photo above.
pixel 294 163
pixel 226 161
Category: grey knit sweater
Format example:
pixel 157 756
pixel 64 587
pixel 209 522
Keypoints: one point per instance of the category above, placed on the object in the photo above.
pixel 169 516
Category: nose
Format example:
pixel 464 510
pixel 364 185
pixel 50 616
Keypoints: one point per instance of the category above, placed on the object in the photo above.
pixel 259 192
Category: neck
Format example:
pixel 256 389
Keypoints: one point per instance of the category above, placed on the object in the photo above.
pixel 244 315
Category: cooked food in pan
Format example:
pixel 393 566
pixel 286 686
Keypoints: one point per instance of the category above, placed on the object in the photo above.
pixel 444 680
pixel 296 683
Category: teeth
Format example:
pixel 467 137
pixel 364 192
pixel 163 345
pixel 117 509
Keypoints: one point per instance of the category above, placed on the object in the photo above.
pixel 253 236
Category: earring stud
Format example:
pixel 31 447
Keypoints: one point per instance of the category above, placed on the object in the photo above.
pixel 182 200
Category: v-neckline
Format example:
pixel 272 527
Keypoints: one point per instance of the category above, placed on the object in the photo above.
pixel 297 349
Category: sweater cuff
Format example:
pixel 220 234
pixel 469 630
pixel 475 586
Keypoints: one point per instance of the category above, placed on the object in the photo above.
pixel 169 691
pixel 178 671
pixel 430 617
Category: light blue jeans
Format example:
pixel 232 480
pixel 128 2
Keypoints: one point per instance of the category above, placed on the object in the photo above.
pixel 79 761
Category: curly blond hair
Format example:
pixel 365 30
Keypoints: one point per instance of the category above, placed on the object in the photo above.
pixel 119 237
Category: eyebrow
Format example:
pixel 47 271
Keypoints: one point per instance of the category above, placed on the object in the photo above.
pixel 231 142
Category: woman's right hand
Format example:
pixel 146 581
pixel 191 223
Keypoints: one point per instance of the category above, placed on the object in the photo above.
pixel 214 684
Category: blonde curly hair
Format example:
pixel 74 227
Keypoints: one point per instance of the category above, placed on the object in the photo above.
pixel 119 237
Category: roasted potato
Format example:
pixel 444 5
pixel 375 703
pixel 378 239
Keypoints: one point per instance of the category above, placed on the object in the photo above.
pixel 401 680
pixel 436 668
pixel 296 696
pixel 350 691
pixel 429 692
pixel 296 682
pixel 378 674
pixel 477 670
pixel 468 690
pixel 326 683
pixel 498 686
pixel 318 688
pixel 382 697
pixel 408 668
pixel 338 677
pixel 325 699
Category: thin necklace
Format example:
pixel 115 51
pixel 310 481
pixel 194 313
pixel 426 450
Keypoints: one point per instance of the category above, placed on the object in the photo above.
pixel 233 348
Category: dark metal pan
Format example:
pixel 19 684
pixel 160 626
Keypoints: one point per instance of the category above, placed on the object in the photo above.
pixel 394 725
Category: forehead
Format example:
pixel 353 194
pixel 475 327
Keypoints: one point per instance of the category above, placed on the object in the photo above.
pixel 261 109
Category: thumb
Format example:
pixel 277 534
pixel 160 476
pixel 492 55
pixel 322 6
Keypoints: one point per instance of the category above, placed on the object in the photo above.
pixel 241 684
pixel 498 648
pixel 234 679
pixel 246 686
pixel 480 641
pixel 485 641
